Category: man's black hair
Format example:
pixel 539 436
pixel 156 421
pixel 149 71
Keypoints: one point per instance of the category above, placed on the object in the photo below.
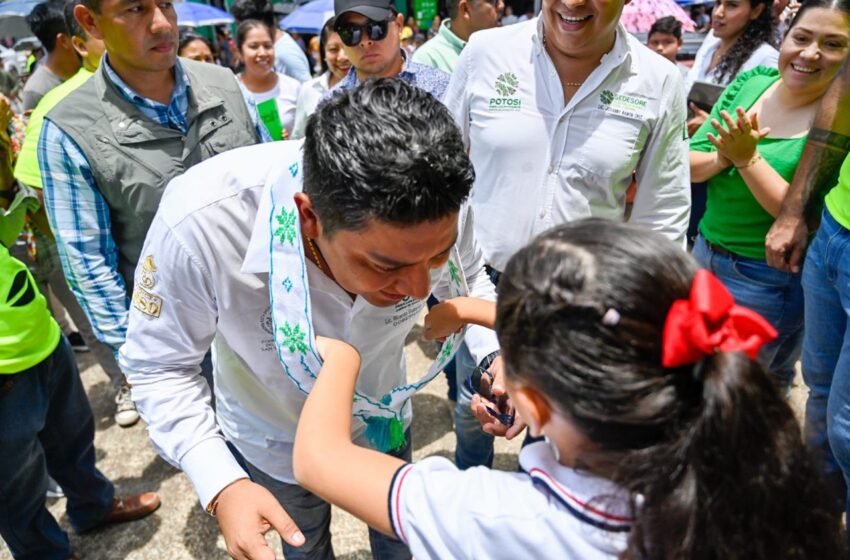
pixel 71 24
pixel 385 150
pixel 253 9
pixel 46 21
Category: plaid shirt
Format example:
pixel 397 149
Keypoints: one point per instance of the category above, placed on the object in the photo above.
pixel 80 216
pixel 424 77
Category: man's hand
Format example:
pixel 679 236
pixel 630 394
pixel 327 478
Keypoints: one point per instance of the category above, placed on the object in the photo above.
pixel 246 511
pixel 479 405
pixel 785 243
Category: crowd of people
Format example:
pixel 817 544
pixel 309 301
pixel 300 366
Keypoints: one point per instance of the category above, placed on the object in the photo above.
pixel 623 257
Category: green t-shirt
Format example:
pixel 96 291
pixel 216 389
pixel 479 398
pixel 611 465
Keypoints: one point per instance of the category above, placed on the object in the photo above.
pixel 28 333
pixel 838 198
pixel 26 169
pixel 733 217
pixel 442 51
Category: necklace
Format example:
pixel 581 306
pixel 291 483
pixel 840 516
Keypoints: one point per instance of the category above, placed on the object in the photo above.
pixel 565 84
pixel 314 250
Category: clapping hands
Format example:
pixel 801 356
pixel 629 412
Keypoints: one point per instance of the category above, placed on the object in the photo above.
pixel 737 141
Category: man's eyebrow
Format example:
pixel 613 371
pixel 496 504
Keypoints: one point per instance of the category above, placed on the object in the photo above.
pixel 398 264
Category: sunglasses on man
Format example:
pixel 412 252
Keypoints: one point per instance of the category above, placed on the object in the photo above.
pixel 351 34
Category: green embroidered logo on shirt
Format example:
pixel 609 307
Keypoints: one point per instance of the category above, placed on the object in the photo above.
pixel 506 85
pixel 623 105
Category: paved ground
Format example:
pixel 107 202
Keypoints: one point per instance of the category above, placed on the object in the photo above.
pixel 180 529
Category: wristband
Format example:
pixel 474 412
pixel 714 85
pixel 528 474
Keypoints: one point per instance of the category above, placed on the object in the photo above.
pixel 754 160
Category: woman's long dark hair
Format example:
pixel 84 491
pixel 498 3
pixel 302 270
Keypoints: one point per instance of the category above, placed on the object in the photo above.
pixel 757 31
pixel 711 454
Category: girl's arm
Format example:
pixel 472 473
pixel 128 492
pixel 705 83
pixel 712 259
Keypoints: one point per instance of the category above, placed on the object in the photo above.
pixel 325 460
pixel 738 143
pixel 705 165
pixel 768 186
pixel 453 314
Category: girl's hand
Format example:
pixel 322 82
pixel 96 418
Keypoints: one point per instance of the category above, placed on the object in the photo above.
pixel 443 320
pixel 330 348
pixel 696 121
pixel 738 140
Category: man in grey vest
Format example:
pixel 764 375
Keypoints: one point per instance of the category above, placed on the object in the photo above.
pixel 107 150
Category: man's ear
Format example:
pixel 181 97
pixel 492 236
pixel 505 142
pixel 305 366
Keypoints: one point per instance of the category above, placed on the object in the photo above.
pixel 79 46
pixel 399 20
pixel 310 223
pixel 534 408
pixel 86 18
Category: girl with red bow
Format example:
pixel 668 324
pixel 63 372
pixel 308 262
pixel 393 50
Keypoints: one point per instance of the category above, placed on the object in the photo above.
pixel 663 438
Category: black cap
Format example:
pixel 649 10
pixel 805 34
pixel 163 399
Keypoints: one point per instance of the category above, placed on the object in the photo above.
pixel 376 10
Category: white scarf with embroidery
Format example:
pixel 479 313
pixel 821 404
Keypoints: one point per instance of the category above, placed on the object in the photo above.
pixel 293 325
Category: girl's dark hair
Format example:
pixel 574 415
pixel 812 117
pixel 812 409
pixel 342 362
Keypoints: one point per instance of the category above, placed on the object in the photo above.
pixel 711 454
pixel 757 31
pixel 188 37
pixel 327 29
pixel 245 27
pixel 838 5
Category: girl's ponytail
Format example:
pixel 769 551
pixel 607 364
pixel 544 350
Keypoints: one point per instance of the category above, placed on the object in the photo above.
pixel 743 485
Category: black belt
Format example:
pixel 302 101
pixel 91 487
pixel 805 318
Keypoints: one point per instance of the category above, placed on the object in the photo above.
pixel 719 250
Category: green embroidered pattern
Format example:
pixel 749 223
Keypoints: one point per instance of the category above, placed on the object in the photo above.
pixel 286 232
pixel 293 338
pixel 445 352
pixel 454 274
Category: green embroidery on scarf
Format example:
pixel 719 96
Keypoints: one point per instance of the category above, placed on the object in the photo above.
pixel 446 352
pixel 286 231
pixel 454 274
pixel 293 338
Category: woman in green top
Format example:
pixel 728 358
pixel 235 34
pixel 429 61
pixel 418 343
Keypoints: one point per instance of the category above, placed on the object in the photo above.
pixel 748 151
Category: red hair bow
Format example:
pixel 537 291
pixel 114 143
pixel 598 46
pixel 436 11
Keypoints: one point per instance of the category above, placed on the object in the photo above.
pixel 710 322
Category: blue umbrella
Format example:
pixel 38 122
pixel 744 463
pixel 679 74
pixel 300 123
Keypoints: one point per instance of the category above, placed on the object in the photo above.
pixel 309 18
pixel 192 14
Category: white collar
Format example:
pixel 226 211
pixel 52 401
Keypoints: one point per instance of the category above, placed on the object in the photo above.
pixel 590 498
pixel 617 54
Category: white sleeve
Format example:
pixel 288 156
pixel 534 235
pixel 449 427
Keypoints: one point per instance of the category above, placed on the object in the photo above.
pixel 663 199
pixel 172 324
pixel 426 505
pixel 456 97
pixel 480 341
pixel 442 512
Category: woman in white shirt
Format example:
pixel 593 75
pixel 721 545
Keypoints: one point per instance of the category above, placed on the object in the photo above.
pixel 739 40
pixel 274 93
pixel 335 65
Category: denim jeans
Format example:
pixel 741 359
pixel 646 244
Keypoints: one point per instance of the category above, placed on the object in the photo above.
pixel 46 426
pixel 776 295
pixel 312 515
pixel 474 446
pixel 826 349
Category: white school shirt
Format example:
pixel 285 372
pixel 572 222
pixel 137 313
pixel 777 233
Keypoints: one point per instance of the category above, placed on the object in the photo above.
pixel 546 511
pixel 308 99
pixel 539 163
pixel 204 286
pixel 765 55
pixel 286 92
